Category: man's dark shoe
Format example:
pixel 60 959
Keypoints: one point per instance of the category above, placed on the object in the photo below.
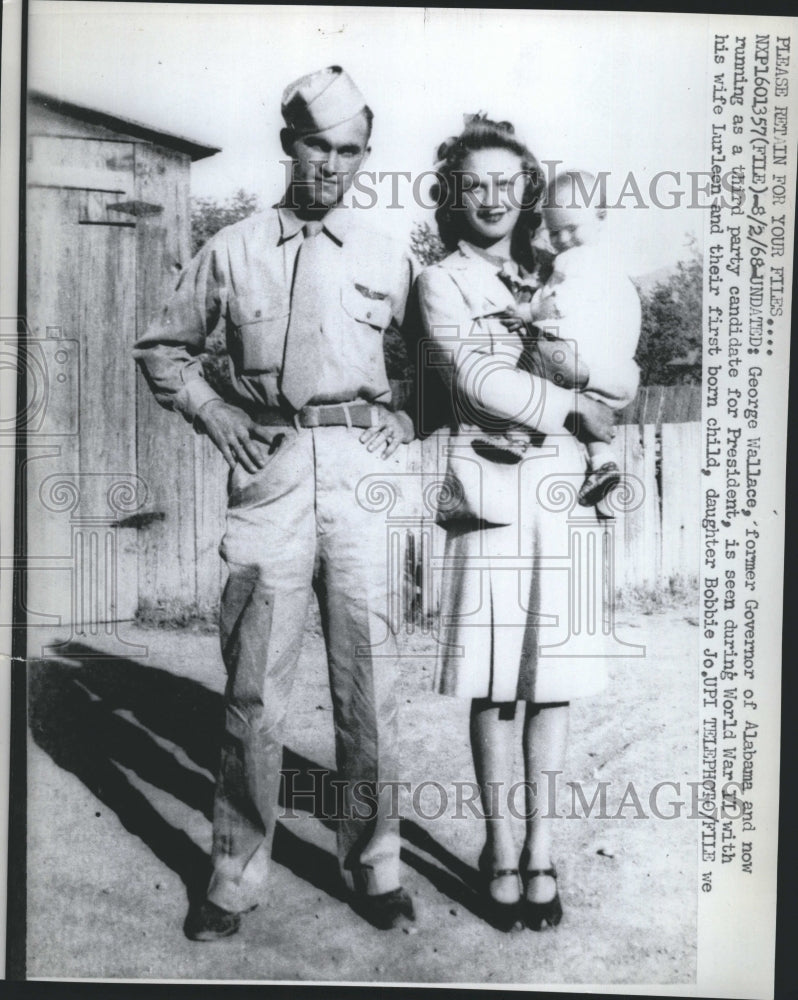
pixel 388 910
pixel 209 922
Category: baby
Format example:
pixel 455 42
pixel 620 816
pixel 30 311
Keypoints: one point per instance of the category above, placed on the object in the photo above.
pixel 590 302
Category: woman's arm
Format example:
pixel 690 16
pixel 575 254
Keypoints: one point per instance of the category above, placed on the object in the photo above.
pixel 485 383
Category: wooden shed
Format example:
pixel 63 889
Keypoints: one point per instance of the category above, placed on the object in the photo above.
pixel 107 234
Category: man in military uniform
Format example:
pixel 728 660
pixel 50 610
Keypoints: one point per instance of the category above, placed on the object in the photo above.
pixel 305 291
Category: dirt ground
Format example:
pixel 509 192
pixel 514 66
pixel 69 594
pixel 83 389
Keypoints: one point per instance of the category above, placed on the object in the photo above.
pixel 120 776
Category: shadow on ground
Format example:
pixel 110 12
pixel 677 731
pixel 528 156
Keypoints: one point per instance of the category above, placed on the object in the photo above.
pixel 99 718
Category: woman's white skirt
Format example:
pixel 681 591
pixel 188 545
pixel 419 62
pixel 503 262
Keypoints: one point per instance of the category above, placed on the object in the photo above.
pixel 526 607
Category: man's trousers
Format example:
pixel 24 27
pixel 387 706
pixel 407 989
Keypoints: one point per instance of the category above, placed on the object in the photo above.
pixel 296 525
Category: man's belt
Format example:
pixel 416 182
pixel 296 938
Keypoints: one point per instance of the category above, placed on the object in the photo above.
pixel 355 414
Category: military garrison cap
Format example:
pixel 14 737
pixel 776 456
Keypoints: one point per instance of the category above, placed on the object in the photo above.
pixel 321 100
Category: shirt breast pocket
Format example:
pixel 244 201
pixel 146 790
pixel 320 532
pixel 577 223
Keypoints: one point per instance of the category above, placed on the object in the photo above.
pixel 259 331
pixel 370 307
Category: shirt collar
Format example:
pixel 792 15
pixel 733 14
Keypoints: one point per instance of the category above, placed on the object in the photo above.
pixel 290 225
pixel 508 271
pixel 500 263
pixel 336 223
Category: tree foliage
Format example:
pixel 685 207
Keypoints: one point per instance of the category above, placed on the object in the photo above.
pixel 426 244
pixel 208 215
pixel 669 352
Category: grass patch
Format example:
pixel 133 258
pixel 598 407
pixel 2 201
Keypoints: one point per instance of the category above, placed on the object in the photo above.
pixel 175 615
pixel 677 592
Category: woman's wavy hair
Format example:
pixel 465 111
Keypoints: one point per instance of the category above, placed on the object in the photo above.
pixel 479 133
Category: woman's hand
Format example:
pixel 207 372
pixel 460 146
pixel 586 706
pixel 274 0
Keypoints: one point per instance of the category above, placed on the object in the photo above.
pixel 594 421
pixel 545 308
pixel 237 436
pixel 515 317
pixel 391 430
pixel 559 364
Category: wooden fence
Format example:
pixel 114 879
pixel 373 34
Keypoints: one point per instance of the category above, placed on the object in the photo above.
pixel 664 404
pixel 655 543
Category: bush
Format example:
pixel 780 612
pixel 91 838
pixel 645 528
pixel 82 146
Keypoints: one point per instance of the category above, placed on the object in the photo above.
pixel 208 216
pixel 426 245
pixel 671 335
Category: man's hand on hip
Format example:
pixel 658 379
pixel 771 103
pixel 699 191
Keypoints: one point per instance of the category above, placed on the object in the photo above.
pixel 237 436
pixel 391 430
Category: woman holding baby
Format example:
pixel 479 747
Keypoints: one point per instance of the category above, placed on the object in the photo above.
pixel 520 422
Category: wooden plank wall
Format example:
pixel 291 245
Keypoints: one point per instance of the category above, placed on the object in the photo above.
pixel 660 404
pixel 681 500
pixel 107 237
pixel 168 536
pixel 52 313
pixel 106 294
pixel 81 290
pixel 638 533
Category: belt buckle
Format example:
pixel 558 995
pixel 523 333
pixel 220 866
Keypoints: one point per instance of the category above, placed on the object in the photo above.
pixel 306 416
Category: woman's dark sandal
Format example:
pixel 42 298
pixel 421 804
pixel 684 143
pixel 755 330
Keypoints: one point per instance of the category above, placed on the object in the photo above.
pixel 540 916
pixel 503 916
pixel 209 922
pixel 388 910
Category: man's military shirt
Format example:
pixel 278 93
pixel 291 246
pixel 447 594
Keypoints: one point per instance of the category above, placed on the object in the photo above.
pixel 244 278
